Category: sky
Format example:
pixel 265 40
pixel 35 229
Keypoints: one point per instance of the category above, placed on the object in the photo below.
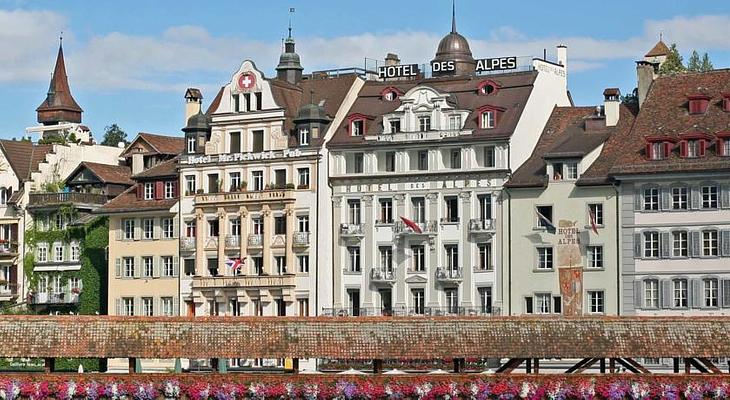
pixel 129 62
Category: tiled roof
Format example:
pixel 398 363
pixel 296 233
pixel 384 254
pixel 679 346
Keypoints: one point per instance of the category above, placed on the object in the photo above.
pixel 108 173
pixel 216 101
pixel 164 169
pixel 128 201
pixel 362 337
pixel 514 90
pixel 164 144
pixel 24 156
pixel 665 112
pixel 59 104
pixel 659 49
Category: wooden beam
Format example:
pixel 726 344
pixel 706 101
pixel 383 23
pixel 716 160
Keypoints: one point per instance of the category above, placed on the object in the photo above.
pixel 710 366
pixel 510 365
pixel 528 365
pixel 602 365
pixel 132 365
pixel 675 362
pixel 578 365
pixel 638 366
pixel 377 366
pixel 687 366
pixel 612 365
pixel 627 365
pixel 694 363
pixel 49 365
pixel 459 364
pixel 536 365
pixel 295 365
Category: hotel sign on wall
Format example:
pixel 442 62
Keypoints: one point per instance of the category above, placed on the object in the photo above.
pixel 227 158
pixel 570 270
pixel 438 67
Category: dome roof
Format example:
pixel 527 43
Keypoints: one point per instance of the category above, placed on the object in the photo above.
pixel 198 122
pixel 311 112
pixel 454 46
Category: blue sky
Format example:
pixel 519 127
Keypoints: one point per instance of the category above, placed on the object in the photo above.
pixel 129 62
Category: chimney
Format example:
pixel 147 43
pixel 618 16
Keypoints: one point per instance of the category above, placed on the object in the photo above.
pixel 611 104
pixel 392 59
pixel 645 75
pixel 193 103
pixel 562 51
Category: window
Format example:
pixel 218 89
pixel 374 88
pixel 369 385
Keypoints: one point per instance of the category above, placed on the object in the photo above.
pixel 280 178
pixel 74 283
pixel 679 293
pixel 128 225
pixel 353 300
pixel 658 151
pixel 148 228
pixel 354 254
pixel 454 122
pixel 213 228
pixel 451 254
pixel 280 225
pixel 60 221
pixel 358 163
pixel 418 206
pixel 709 243
pixel 190 185
pixel 190 228
pixel 128 267
pixel 489 157
pixel 169 189
pixel 424 123
pixel 147 267
pixel 544 258
pixel 570 170
pixel 257 144
pixel 451 204
pixel 386 211
pixel 547 213
pixel 149 191
pixel 679 198
pixel 386 258
pixel 257 177
pixel 128 306
pixel 595 212
pixel 709 196
pixel 42 254
pixel 212 266
pixel 192 144
pixel 389 161
pixel 237 102
pixel 235 227
pixel 166 307
pixel 456 158
pixel 168 268
pixel 679 244
pixel 58 253
pixel 693 148
pixel 75 252
pixel 394 125
pixel 651 244
pixel 213 186
pixel 487 120
pixel 418 299
pixel 594 255
pixel 303 223
pixel 485 256
pixel 390 95
pixel 726 141
pixel 595 301
pixel 651 199
pixel 651 293
pixel 168 228
pixel 258 226
pixel 303 307
pixel 353 211
pixel 485 207
pixel 304 136
pixel 259 101
pixel 485 300
pixel 543 303
pixel 235 181
pixel 303 174
pixel 234 139
pixel 147 309
pixel 280 262
pixel 422 159
pixel 710 294
pixel 303 263
pixel 258 265
pixel 418 258
pixel 357 127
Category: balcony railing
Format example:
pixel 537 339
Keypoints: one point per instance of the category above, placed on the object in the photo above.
pixel 450 220
pixel 443 311
pixel 56 298
pixel 426 228
pixel 481 225
pixel 8 290
pixel 449 275
pixel 352 230
pixel 301 238
pixel 245 197
pixel 255 240
pixel 187 243
pixel 211 243
pixel 233 241
pixel 251 281
pixel 382 275
pixel 8 248
pixel 51 199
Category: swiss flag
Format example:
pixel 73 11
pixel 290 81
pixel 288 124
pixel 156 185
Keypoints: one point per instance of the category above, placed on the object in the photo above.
pixel 411 224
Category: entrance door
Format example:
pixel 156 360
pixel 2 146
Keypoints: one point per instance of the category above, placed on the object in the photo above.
pixel 386 302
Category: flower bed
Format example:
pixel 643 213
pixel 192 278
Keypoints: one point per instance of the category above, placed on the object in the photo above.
pixel 235 387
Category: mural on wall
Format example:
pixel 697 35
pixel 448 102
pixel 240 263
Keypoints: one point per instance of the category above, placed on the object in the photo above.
pixel 570 270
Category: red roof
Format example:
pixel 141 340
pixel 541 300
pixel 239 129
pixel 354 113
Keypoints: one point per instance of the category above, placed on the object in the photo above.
pixel 59 104
pixel 659 49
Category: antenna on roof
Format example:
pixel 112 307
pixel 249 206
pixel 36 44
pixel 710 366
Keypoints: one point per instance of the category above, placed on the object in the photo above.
pixel 453 16
pixel 661 36
pixel 60 38
pixel 291 11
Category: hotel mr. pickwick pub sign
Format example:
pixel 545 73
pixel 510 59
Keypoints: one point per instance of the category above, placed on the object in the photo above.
pixel 412 70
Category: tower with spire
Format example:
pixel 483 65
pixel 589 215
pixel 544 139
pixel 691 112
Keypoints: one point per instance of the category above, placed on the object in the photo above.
pixel 454 47
pixel 289 68
pixel 59 107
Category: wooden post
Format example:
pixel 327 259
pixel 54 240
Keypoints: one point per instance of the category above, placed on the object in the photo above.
pixel 377 366
pixel 687 366
pixel 132 365
pixel 214 364
pixel 49 365
pixel 459 364
pixel 528 365
pixel 675 361
pixel 295 365
pixel 612 365
pixel 537 366
pixel 178 366
pixel 222 365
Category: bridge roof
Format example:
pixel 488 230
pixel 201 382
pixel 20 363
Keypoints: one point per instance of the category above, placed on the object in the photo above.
pixel 362 338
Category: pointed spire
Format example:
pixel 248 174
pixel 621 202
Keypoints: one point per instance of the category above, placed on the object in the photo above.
pixel 59 105
pixel 453 16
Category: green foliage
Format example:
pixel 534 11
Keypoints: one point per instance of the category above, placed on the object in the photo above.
pixel 630 98
pixel 693 64
pixel 113 134
pixel 706 64
pixel 673 63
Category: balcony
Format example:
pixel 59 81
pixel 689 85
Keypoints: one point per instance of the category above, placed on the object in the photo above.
pixel 233 242
pixel 449 275
pixel 301 238
pixel 8 248
pixel 426 228
pixel 481 226
pixel 383 276
pixel 245 197
pixel 211 243
pixel 43 200
pixel 352 231
pixel 187 244
pixel 253 281
pixel 8 291
pixel 56 298
pixel 255 240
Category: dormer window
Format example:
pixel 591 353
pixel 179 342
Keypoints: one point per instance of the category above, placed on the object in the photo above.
pixel 357 127
pixel 693 145
pixel 726 102
pixel 192 148
pixel 658 151
pixel 488 119
pixel 659 147
pixel 565 171
pixel 698 103
pixel 488 116
pixel 455 122
pixel 394 125
pixel 693 148
pixel 486 88
pixel 304 136
pixel 424 123
pixel 390 93
pixel 722 144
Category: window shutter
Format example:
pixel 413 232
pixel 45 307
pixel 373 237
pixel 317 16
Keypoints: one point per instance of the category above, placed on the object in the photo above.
pixel 137 267
pixel 120 311
pixel 175 189
pixel 648 151
pixel 665 243
pixel 175 306
pixel 175 266
pixel 175 227
pixel 697 293
pixel 725 285
pixel 638 199
pixel 637 245
pixel 156 228
pixel 668 147
pixel 666 293
pixel 156 266
pixel 695 244
pixel 725 242
pixel 140 191
pixel 683 148
pixel 119 268
pixel 725 196
pixel 137 306
pixel 159 190
pixel 14 278
pixel 118 228
pixel 157 308
pixel 703 146
pixel 638 294
pixel 665 199
pixel 137 229
pixel 694 197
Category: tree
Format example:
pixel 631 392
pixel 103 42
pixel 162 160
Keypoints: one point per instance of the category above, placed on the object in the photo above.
pixel 673 63
pixel 706 64
pixel 694 63
pixel 631 98
pixel 113 134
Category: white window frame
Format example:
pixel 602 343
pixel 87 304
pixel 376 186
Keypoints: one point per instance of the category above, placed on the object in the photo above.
pixel 148 266
pixel 303 174
pixel 570 171
pixel 487 119
pixel 651 244
pixel 128 267
pixel 58 252
pixel 710 243
pixel 680 244
pixel 650 199
pixel 42 253
pixel 148 228
pixel 596 302
pixel 167 266
pixel 149 191
pixel 128 304
pixel 594 257
pixel 680 198
pixel 257 180
pixel 651 293
pixel 545 258
pixel 169 189
pixel 710 293
pixel 168 228
pixel 709 196
pixel 303 263
pixel 148 308
pixel 167 306
pixel 679 293
pixel 128 229
pixel 304 136
pixel 191 185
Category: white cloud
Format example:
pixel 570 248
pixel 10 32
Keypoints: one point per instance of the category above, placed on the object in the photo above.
pixel 182 56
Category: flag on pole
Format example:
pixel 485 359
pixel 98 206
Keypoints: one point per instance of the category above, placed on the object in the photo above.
pixel 291 9
pixel 544 221
pixel 235 264
pixel 592 216
pixel 411 224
